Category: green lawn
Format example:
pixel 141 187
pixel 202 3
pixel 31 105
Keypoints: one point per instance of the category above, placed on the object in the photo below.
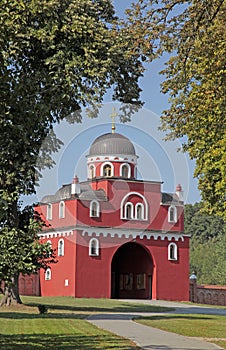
pixel 70 304
pixel 64 326
pixel 210 327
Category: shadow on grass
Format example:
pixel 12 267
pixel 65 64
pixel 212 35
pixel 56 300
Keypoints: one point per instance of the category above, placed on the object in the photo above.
pixel 61 342
pixel 23 315
pixel 129 308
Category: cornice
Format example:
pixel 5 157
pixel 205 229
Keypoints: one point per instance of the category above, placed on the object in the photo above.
pixel 110 232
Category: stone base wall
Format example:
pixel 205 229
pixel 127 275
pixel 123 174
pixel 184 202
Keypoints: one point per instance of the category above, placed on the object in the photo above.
pixel 207 294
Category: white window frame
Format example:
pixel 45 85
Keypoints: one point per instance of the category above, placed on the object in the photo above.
pixel 49 211
pixel 131 206
pixel 174 256
pixel 128 169
pixel 61 247
pixel 102 169
pixel 48 274
pixel 172 207
pixel 124 201
pixel 50 243
pixel 97 209
pixel 92 171
pixel 61 210
pixel 96 247
pixel 141 205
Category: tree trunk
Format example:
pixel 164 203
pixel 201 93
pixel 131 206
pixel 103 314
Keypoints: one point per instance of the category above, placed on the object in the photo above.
pixel 11 292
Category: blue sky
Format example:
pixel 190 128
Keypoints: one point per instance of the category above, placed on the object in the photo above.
pixel 158 160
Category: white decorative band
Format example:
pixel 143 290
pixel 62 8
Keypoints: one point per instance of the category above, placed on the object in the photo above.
pixel 55 234
pixel 114 158
pixel 133 235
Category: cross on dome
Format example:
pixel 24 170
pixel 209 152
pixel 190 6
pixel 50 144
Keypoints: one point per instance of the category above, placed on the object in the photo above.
pixel 113 115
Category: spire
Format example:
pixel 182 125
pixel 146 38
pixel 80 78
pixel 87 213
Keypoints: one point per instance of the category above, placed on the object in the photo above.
pixel 113 115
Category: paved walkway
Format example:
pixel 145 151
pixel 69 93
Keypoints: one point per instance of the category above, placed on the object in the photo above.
pixel 149 338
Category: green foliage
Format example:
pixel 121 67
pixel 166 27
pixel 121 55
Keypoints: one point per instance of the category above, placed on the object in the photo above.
pixel 56 57
pixel 202 227
pixel 21 250
pixel 208 242
pixel 193 33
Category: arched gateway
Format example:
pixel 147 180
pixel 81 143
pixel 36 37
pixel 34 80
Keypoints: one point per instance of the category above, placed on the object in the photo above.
pixel 131 271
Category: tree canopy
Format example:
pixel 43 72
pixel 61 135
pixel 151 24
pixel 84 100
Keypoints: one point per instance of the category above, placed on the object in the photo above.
pixel 193 33
pixel 56 57
pixel 207 246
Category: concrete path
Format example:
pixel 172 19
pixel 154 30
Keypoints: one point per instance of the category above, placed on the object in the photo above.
pixel 149 338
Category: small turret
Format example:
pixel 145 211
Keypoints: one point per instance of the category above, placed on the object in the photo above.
pixel 180 193
pixel 75 186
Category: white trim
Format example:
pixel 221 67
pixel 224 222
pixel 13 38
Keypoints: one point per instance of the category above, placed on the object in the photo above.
pixel 128 168
pixel 131 235
pixel 61 210
pixel 120 158
pixel 51 246
pixel 102 169
pixel 142 211
pixel 49 211
pixel 60 247
pixel 172 207
pixel 126 216
pixel 117 232
pixel 90 172
pixel 122 208
pixel 48 274
pixel 95 247
pixel 55 234
pixel 175 249
pixel 97 209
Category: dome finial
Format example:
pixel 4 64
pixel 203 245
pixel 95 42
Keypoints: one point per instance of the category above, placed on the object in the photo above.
pixel 112 116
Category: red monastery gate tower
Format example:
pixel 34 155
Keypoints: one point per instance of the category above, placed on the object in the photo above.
pixel 115 236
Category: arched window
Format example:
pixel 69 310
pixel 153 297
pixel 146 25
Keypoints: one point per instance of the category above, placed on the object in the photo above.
pixel 61 247
pixel 48 275
pixel 50 244
pixel 172 251
pixel 107 170
pixel 141 208
pixel 129 211
pixel 61 210
pixel 49 214
pixel 125 170
pixel 139 211
pixel 92 171
pixel 94 247
pixel 172 214
pixel 94 210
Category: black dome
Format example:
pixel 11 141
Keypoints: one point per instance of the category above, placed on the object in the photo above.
pixel 111 143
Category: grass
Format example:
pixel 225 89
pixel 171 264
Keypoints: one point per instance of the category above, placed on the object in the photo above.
pixel 210 327
pixel 64 326
pixel 70 304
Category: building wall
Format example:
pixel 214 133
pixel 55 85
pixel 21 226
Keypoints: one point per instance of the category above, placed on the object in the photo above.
pixel 170 279
pixel 62 282
pixel 29 285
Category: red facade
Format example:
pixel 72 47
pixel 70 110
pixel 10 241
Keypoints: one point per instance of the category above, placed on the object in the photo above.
pixel 115 236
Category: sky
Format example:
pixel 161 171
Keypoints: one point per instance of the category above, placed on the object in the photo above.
pixel 158 160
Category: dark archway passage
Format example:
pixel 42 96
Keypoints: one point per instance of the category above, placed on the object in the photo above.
pixel 131 271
